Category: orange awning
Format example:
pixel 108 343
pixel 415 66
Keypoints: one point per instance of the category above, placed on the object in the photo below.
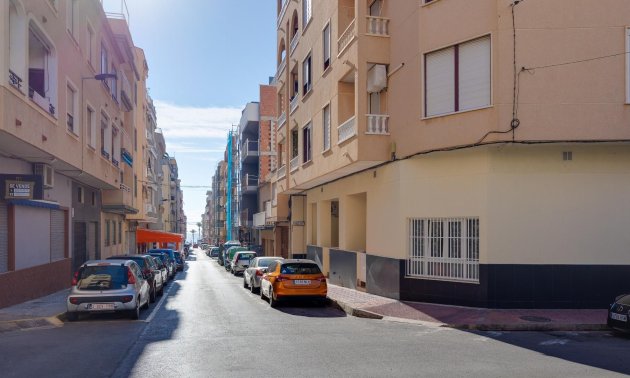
pixel 153 236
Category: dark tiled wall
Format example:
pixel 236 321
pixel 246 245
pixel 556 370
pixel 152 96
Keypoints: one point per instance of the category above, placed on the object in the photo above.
pixel 316 254
pixel 343 268
pixel 383 276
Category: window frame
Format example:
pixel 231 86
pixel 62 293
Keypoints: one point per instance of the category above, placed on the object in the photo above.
pixel 307 13
pixel 90 125
pixel 326 63
pixel 307 143
pixel 326 129
pixel 627 49
pixel 456 95
pixel 307 74
pixel 76 124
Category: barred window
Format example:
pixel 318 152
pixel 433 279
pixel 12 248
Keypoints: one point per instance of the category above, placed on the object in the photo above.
pixel 444 248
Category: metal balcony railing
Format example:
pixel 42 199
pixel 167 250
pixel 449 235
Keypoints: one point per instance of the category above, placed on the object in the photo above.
pixel 347 130
pixel 294 103
pixel 283 10
pixel 294 163
pixel 294 42
pixel 15 80
pixel 377 124
pixel 282 119
pixel 282 171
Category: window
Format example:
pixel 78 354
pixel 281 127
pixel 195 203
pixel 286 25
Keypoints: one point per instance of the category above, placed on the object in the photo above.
pixel 375 8
pixel 326 47
pixel 444 248
pixel 104 60
pixel 105 136
pixel 307 12
pixel 120 232
pixel 89 41
pixel 135 186
pixel 42 68
pixel 114 84
pixel 80 195
pixel 71 98
pixel 457 78
pixel 107 233
pixel 93 198
pixel 628 66
pixel 113 232
pixel 72 20
pixel 326 127
pixel 307 75
pixel 294 143
pixel 306 143
pixel 90 127
pixel 135 139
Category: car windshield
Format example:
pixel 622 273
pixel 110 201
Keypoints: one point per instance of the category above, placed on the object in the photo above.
pixel 106 277
pixel 265 263
pixel 625 300
pixel 300 268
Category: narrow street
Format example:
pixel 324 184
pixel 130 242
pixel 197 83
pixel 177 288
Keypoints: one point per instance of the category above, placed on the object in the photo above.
pixel 208 325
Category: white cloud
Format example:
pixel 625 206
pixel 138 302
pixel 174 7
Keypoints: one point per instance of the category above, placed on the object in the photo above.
pixel 190 122
pixel 192 148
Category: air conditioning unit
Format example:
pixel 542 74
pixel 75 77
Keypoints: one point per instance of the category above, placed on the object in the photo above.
pixel 47 172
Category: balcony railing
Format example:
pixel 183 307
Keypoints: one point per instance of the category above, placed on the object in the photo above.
pixel 294 42
pixel 15 80
pixel 249 183
pixel 125 92
pixel 378 26
pixel 377 124
pixel 346 38
pixel 294 163
pixel 259 219
pixel 70 122
pixel 43 102
pixel 294 103
pixel 282 172
pixel 115 162
pixel 281 68
pixel 283 10
pixel 249 148
pixel 347 130
pixel 282 120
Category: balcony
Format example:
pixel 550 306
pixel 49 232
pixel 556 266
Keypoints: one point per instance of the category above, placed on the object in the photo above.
pixel 346 38
pixel 282 172
pixel 281 68
pixel 249 184
pixel 119 201
pixel 283 10
pixel 249 151
pixel 347 130
pixel 282 120
pixel 377 26
pixel 294 163
pixel 377 124
pixel 294 42
pixel 294 103
pixel 15 80
pixel 42 102
pixel 260 220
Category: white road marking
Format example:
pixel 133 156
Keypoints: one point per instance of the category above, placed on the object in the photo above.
pixel 555 342
pixel 159 304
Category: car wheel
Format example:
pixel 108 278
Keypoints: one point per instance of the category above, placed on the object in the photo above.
pixel 135 314
pixel 152 295
pixel 251 287
pixel 146 304
pixel 273 302
pixel 262 292
pixel 244 282
pixel 72 316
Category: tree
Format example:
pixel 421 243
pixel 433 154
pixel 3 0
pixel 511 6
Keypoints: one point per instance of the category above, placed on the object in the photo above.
pixel 193 235
pixel 199 228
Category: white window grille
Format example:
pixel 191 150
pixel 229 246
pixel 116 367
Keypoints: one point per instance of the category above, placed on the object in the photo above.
pixel 444 249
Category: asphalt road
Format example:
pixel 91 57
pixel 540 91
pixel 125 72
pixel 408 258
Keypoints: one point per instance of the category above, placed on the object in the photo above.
pixel 207 325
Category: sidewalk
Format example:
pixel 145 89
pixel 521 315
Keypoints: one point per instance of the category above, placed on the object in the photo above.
pixel 38 313
pixel 365 305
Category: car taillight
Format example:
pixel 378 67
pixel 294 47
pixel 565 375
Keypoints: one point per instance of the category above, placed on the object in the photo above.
pixel 259 272
pixel 322 279
pixel 75 278
pixel 131 280
pixel 126 299
pixel 74 300
pixel 146 272
pixel 281 278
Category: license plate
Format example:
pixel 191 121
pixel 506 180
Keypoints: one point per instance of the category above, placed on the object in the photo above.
pixel 301 282
pixel 101 306
pixel 621 318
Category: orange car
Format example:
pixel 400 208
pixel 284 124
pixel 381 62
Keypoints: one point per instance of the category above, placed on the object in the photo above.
pixel 295 278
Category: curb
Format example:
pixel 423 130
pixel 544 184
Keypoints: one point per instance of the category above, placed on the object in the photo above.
pixel 538 327
pixel 32 323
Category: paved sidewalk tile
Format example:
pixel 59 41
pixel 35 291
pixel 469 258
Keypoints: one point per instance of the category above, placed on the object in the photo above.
pixel 34 313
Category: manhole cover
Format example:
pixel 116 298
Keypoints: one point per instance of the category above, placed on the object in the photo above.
pixel 537 319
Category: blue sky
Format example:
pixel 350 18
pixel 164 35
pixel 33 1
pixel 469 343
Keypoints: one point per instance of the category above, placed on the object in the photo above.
pixel 206 60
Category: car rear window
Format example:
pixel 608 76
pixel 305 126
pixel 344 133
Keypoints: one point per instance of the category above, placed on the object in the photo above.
pixel 265 262
pixel 299 268
pixel 107 277
pixel 624 300
pixel 246 256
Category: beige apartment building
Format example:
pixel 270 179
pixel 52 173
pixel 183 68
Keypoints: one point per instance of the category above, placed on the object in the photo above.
pixel 66 141
pixel 456 151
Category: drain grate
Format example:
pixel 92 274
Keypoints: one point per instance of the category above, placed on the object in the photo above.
pixel 537 319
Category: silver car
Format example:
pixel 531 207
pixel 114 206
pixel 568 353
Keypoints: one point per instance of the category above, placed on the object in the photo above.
pixel 108 286
pixel 253 274
pixel 241 260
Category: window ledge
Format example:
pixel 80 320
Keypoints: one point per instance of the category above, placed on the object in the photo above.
pixel 72 134
pixel 306 95
pixel 327 151
pixel 308 23
pixel 307 163
pixel 423 118
pixel 424 4
pixel 327 70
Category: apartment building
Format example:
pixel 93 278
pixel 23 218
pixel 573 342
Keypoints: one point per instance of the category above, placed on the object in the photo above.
pixel 66 106
pixel 248 172
pixel 484 165
pixel 218 232
pixel 177 198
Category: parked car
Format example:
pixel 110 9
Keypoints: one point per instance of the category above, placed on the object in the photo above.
pixel 241 260
pixel 163 271
pixel 108 286
pixel 224 247
pixel 229 256
pixel 293 279
pixel 619 312
pixel 150 272
pixel 179 260
pixel 170 264
pixel 171 254
pixel 253 274
pixel 213 252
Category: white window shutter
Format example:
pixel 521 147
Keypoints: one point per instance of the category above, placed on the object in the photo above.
pixel 377 78
pixel 440 82
pixel 474 74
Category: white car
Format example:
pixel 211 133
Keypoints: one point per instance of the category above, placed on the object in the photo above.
pixel 253 274
pixel 108 286
pixel 241 260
